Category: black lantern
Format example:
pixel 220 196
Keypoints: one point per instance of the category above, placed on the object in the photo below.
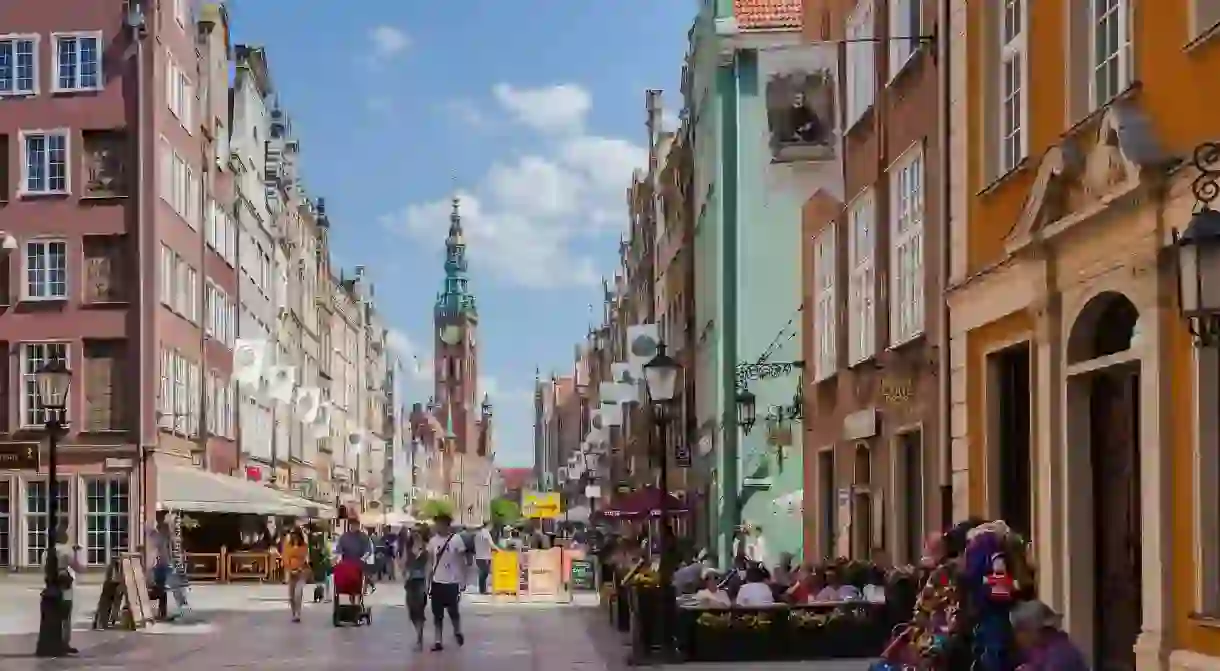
pixel 1198 250
pixel 746 409
pixel 661 376
pixel 51 385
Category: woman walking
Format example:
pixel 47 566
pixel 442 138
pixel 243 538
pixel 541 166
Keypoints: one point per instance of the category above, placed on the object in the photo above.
pixel 415 581
pixel 295 554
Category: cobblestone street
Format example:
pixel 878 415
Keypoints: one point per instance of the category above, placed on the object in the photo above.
pixel 248 627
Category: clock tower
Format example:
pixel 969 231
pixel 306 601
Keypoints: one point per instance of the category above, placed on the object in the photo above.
pixel 456 321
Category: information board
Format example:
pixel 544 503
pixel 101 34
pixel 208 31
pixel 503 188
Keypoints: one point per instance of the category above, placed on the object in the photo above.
pixel 582 575
pixel 505 573
pixel 545 569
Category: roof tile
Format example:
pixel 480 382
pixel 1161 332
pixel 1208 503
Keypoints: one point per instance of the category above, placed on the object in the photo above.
pixel 767 14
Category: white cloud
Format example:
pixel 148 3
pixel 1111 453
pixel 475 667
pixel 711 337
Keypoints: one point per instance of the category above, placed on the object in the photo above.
pixel 558 108
pixel 466 113
pixel 387 42
pixel 524 215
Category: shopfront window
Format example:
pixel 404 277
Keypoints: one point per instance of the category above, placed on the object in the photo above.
pixel 107 516
pixel 36 517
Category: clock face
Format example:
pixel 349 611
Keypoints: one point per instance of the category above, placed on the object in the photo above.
pixel 451 335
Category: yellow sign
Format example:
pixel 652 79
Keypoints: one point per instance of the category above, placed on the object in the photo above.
pixel 540 505
pixel 505 573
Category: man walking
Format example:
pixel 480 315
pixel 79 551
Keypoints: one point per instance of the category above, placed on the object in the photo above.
pixel 448 573
pixel 484 546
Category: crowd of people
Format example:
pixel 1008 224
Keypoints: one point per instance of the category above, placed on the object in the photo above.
pixel 436 562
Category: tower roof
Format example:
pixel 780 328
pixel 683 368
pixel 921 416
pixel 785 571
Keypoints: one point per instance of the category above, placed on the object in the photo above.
pixel 455 298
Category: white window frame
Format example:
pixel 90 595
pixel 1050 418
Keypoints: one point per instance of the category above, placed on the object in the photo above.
pixel 907 218
pixel 13 39
pixel 1121 57
pixel 26 289
pixel 8 508
pixel 861 54
pixel 182 12
pixel 77 87
pixel 35 539
pixel 180 266
pixel 191 311
pixel 24 137
pixel 825 333
pixel 165 402
pixel 1203 26
pixel 28 393
pixel 905 21
pixel 1012 120
pixel 861 291
pixel 106 517
pixel 166 271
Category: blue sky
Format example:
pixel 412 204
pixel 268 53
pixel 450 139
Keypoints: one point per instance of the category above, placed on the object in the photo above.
pixel 532 110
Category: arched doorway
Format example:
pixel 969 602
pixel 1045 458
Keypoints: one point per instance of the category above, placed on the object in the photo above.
pixel 1098 348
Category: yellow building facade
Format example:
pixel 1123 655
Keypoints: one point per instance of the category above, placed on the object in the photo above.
pixel 1081 410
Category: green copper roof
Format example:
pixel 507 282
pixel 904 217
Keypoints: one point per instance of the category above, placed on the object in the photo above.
pixel 455 298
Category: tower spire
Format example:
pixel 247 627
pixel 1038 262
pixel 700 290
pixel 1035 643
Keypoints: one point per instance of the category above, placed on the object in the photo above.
pixel 455 298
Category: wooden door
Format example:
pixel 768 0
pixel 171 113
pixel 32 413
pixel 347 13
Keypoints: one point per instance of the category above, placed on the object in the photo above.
pixel 1116 501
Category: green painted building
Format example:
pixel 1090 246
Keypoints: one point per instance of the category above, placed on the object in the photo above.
pixel 756 163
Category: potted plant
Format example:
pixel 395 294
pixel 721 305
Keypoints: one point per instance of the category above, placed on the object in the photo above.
pixel 710 639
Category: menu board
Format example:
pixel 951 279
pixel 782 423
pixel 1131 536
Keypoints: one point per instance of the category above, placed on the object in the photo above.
pixel 582 576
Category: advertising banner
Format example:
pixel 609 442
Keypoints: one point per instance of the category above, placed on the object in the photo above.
pixel 540 505
pixel 546 573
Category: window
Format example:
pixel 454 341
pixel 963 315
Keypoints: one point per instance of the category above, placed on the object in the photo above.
pixel 165 170
pixel 78 61
pixel 180 268
pixel 182 409
pixel 861 65
pixel 1014 73
pixel 861 240
pixel 165 395
pixel 210 406
pixel 1204 18
pixel 36 513
pixel 6 516
pixel 34 356
pixel 18 65
pixel 168 262
pixel 193 403
pixel 904 23
pixel 191 310
pixel 190 203
pixel 44 164
pixel 179 92
pixel 107 519
pixel 46 270
pixel 824 332
pixel 906 247
pixel 182 12
pixel 1110 42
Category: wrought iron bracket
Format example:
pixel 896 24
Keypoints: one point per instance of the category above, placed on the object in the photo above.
pixel 1206 186
pixel 762 370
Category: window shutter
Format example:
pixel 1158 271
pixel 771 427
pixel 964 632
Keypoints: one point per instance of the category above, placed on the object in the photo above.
pixel 102 409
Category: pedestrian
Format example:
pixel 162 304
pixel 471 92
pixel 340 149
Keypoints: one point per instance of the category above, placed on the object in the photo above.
pixel 295 555
pixel 415 581
pixel 1043 644
pixel 67 565
pixel 448 556
pixel 484 547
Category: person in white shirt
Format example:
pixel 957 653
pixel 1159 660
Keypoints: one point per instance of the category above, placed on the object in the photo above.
pixel 711 596
pixel 756 591
pixel 835 590
pixel 447 575
pixel 484 546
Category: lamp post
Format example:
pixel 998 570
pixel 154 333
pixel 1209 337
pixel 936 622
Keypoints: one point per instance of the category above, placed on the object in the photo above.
pixel 51 384
pixel 661 378
pixel 1198 250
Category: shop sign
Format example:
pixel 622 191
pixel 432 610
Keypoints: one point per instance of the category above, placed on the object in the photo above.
pixel 19 456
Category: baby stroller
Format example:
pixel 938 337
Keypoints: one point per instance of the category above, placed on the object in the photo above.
pixel 349 582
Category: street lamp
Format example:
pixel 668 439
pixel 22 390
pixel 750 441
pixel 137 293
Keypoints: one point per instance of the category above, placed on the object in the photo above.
pixel 51 384
pixel 746 410
pixel 1198 250
pixel 661 378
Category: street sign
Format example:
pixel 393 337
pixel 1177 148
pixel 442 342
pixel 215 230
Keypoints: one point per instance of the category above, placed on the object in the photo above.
pixel 19 456
pixel 682 455
pixel 540 505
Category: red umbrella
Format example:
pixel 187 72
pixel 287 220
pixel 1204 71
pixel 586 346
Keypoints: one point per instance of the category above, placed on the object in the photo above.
pixel 644 502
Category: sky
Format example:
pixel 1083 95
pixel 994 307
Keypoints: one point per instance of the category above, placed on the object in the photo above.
pixel 531 111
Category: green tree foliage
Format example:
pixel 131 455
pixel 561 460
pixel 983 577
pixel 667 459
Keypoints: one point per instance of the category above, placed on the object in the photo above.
pixel 505 511
pixel 433 507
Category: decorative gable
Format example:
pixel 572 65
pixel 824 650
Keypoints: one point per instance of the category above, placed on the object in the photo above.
pixel 1101 163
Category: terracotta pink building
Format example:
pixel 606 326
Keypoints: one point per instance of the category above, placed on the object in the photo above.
pixel 118 258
